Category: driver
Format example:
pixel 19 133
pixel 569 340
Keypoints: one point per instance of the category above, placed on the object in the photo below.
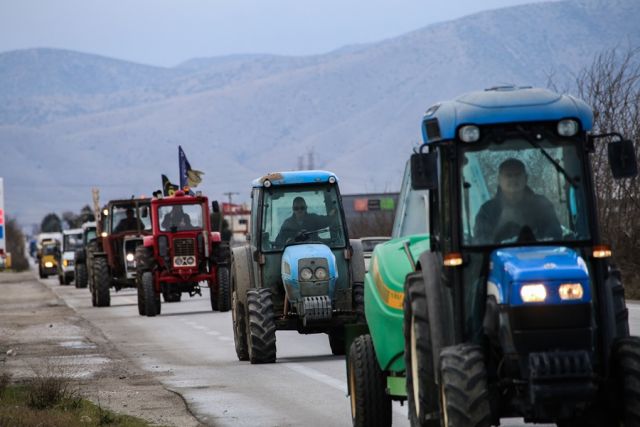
pixel 176 218
pixel 130 222
pixel 301 221
pixel 515 211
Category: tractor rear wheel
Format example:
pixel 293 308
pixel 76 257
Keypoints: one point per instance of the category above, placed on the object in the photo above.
pixel 336 341
pixel 150 297
pixel 626 368
pixel 370 404
pixel 61 279
pixel 422 391
pixel 102 282
pixel 261 326
pixel 358 300
pixel 224 287
pixel 239 327
pixel 142 309
pixel 81 275
pixel 464 397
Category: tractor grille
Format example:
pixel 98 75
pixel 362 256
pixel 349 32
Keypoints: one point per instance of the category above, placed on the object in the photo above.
pixel 184 247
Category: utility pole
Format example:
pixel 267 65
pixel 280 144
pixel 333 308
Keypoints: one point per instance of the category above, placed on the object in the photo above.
pixel 230 194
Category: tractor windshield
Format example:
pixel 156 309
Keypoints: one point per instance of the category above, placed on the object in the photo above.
pixel 127 218
pixel 521 189
pixel 301 214
pixel 72 242
pixel 180 217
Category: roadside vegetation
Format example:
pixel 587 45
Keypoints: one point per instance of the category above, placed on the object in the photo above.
pixel 52 401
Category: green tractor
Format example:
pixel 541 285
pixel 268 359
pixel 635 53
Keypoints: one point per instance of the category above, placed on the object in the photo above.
pixel 496 296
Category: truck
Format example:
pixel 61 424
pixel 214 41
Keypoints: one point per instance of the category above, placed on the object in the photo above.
pixel 71 241
pixel 111 260
pixel 480 309
pixel 179 252
pixel 299 270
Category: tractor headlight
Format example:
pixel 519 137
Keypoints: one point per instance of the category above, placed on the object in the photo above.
pixel 306 274
pixel 65 262
pixel 130 257
pixel 48 264
pixel 535 292
pixel 570 291
pixel 469 133
pixel 568 127
pixel 321 273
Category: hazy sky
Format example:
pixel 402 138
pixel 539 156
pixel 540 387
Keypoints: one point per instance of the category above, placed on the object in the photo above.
pixel 167 32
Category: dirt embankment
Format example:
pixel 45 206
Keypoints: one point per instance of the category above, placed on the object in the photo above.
pixel 41 335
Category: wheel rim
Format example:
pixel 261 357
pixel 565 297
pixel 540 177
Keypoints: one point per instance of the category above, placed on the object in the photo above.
pixel 352 387
pixel 443 399
pixel 414 367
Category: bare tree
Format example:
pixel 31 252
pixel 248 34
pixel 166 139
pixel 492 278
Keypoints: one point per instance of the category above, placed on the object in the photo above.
pixel 611 86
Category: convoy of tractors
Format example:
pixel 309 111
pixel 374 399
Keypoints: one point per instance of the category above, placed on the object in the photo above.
pixel 495 296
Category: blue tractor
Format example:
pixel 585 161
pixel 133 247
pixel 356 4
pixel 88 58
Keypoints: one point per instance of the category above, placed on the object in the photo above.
pixel 515 308
pixel 299 270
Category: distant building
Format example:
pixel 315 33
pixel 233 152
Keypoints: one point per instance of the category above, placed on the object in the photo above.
pixel 239 218
pixel 370 214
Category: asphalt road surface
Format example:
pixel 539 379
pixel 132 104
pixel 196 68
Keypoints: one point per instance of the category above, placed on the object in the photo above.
pixel 190 350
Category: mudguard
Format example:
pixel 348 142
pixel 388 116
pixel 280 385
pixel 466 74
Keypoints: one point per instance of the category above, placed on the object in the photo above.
pixel 357 261
pixel 242 265
pixel 439 305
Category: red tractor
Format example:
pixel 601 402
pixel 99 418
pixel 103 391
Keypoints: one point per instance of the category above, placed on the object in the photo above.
pixel 181 252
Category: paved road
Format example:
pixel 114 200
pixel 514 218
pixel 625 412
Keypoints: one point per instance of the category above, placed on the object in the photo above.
pixel 190 350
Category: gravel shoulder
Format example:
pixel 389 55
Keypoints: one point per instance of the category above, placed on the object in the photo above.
pixel 41 335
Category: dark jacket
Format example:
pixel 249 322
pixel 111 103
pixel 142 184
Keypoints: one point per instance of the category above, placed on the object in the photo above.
pixel 532 218
pixel 291 227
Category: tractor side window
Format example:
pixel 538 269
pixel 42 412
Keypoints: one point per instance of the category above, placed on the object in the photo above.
pixel 72 242
pixel 512 191
pixel 301 215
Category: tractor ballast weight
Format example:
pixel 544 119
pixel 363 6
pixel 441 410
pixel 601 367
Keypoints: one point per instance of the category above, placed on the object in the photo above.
pixel 180 252
pixel 479 309
pixel 299 271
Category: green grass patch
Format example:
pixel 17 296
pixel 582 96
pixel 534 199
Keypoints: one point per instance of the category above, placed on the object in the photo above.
pixel 21 405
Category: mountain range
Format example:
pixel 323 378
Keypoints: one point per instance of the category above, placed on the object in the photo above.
pixel 70 121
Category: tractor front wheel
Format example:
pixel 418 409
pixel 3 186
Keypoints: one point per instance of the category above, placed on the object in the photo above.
pixel 261 326
pixel 422 391
pixel 224 294
pixel 81 275
pixel 336 341
pixel 370 404
pixel 626 368
pixel 102 282
pixel 464 397
pixel 239 327
pixel 150 297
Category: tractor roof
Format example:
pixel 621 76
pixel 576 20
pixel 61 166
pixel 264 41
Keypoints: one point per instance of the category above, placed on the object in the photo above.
pixel 179 197
pixel 502 105
pixel 131 202
pixel 295 177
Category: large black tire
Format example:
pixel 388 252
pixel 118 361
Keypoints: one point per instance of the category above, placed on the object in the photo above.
pixel 626 369
pixel 102 282
pixel 238 316
pixel 81 275
pixel 142 311
pixel 224 289
pixel 464 397
pixel 358 300
pixel 422 391
pixel 621 313
pixel 261 326
pixel 151 298
pixel 336 341
pixel 61 280
pixel 41 273
pixel 370 404
pixel 213 296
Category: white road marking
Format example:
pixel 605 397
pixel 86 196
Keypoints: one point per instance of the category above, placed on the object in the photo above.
pixel 222 338
pixel 330 381
pixel 214 333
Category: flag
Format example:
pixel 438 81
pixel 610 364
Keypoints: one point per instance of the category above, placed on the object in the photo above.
pixel 167 187
pixel 188 177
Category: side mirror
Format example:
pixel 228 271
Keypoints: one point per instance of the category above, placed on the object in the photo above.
pixel 215 207
pixel 622 159
pixel 424 172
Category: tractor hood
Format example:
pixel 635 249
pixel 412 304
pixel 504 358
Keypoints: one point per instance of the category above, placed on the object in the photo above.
pixel 314 257
pixel 551 266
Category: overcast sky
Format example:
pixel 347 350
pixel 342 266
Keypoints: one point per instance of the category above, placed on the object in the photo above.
pixel 167 32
